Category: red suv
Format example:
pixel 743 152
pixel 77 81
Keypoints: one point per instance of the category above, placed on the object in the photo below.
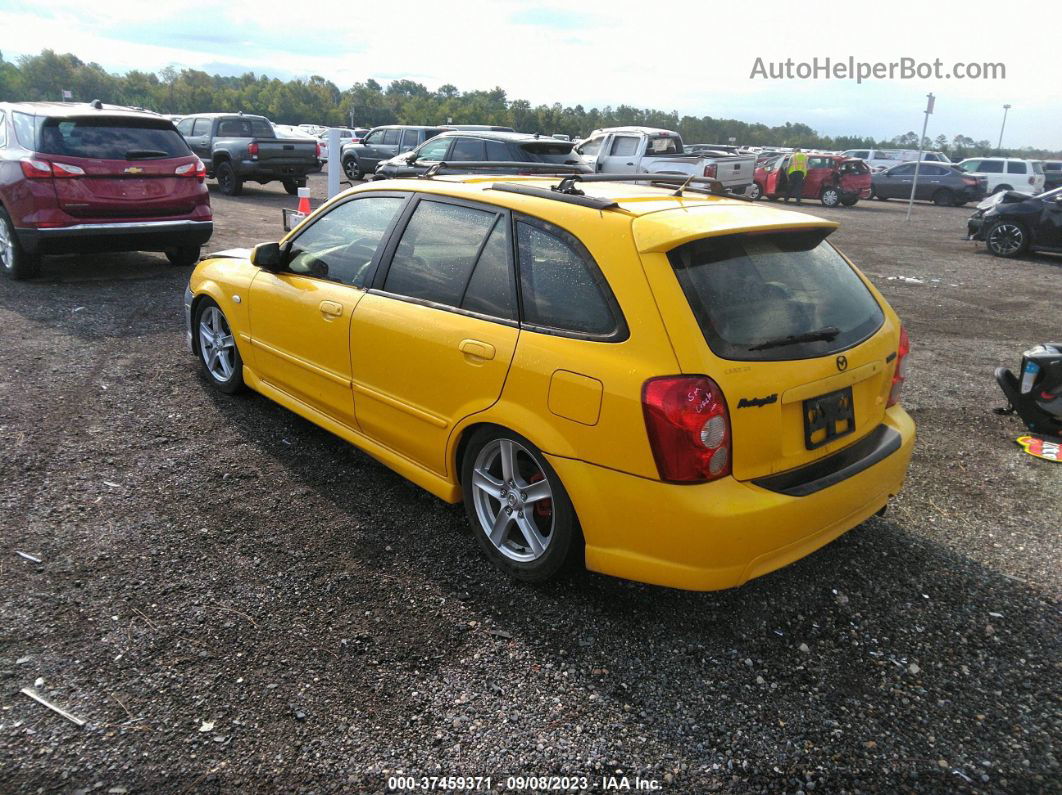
pixel 93 177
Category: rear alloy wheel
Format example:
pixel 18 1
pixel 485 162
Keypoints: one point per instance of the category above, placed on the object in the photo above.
pixel 217 347
pixel 14 261
pixel 755 191
pixel 1007 239
pixel 184 256
pixel 229 183
pixel 352 169
pixel 830 197
pixel 518 509
pixel 944 198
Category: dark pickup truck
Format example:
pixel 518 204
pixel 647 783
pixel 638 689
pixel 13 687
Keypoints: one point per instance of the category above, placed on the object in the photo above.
pixel 238 148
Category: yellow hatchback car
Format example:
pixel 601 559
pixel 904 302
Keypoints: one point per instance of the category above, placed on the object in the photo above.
pixel 678 388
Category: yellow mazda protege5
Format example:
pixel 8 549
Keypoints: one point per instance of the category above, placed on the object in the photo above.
pixel 678 387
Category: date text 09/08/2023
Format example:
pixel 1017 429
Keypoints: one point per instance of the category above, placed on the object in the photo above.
pixel 522 783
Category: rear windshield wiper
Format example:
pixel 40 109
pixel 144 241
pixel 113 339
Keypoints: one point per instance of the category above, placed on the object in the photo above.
pixel 143 154
pixel 826 333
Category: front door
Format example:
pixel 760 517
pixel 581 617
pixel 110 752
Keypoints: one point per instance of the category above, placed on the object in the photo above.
pixel 371 153
pixel 622 155
pixel 774 170
pixel 1049 232
pixel 300 318
pixel 431 343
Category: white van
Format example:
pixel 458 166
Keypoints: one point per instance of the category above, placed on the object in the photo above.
pixel 879 159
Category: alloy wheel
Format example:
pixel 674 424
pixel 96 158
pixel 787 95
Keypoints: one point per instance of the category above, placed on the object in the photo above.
pixel 216 345
pixel 513 500
pixel 1006 239
pixel 7 245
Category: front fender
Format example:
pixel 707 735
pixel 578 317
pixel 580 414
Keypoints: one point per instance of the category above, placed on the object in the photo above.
pixel 227 281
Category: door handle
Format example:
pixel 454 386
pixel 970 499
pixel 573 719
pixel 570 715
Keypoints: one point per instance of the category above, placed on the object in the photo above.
pixel 630 164
pixel 477 349
pixel 331 309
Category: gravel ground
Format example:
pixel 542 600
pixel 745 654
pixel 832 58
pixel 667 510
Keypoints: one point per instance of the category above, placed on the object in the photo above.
pixel 235 600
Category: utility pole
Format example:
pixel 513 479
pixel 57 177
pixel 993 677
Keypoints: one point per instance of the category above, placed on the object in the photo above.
pixel 930 99
pixel 1002 128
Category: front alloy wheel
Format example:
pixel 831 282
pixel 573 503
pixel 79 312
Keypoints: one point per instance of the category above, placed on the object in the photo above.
pixel 517 507
pixel 217 347
pixel 1006 239
pixel 831 197
pixel 754 191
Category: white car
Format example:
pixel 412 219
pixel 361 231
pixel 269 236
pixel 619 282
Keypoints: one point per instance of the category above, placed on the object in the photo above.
pixel 1007 173
pixel 880 159
pixel 346 136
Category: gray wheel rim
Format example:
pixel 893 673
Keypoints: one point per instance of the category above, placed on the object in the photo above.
pixel 7 245
pixel 755 192
pixel 216 345
pixel 509 493
pixel 830 197
pixel 352 170
pixel 1006 238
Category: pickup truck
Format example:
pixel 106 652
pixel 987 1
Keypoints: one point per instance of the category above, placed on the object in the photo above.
pixel 647 150
pixel 238 148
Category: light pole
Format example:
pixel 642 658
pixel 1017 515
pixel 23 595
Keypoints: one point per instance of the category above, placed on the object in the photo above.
pixel 930 101
pixel 1003 127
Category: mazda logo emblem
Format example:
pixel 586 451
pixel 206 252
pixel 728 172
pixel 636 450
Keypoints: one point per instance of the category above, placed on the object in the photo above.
pixel 842 363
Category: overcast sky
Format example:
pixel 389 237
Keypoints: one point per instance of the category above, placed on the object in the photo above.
pixel 695 58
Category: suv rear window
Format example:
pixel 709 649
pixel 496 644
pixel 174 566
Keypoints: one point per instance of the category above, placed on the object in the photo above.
pixel 751 292
pixel 111 139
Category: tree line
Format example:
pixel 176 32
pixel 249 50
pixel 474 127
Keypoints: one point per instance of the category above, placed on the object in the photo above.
pixel 367 104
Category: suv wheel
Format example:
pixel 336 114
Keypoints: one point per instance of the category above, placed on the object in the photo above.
pixel 229 183
pixel 352 169
pixel 184 256
pixel 518 508
pixel 217 347
pixel 831 197
pixel 1007 239
pixel 14 261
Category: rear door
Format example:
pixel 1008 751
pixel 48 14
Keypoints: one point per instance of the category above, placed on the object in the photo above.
pixel 431 343
pixel 119 167
pixel 794 336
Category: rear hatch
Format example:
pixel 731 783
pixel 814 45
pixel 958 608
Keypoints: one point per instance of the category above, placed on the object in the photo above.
pixel 796 340
pixel 120 167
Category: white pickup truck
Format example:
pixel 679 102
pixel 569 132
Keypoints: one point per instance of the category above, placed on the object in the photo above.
pixel 647 150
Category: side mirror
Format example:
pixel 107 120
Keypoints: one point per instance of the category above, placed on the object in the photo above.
pixel 412 158
pixel 268 256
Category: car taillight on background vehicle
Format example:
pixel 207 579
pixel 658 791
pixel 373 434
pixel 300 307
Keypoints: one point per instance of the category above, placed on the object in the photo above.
pixel 689 428
pixel 899 375
pixel 972 181
pixel 44 169
pixel 252 150
pixel 710 170
pixel 318 150
pixel 1032 180
pixel 196 169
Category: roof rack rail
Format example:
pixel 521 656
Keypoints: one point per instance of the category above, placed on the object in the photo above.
pixel 715 187
pixel 547 193
pixel 443 167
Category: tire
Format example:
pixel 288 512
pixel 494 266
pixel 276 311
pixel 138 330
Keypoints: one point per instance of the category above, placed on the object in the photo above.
pixel 15 261
pixel 184 256
pixel 754 191
pixel 230 184
pixel 881 198
pixel 1007 239
pixel 211 327
pixel 292 186
pixel 944 198
pixel 537 530
pixel 1001 188
pixel 850 201
pixel 352 169
pixel 830 197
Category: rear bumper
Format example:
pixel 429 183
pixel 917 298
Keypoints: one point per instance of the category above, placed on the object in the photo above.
pixel 266 171
pixel 722 534
pixel 119 236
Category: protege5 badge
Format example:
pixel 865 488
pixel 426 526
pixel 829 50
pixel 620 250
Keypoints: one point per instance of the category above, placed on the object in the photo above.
pixel 750 403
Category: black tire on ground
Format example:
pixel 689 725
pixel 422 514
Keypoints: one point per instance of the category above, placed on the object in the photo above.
pixel 292 186
pixel 215 373
pixel 15 262
pixel 230 184
pixel 944 198
pixel 352 169
pixel 183 257
pixel 1007 239
pixel 849 201
pixel 880 198
pixel 564 542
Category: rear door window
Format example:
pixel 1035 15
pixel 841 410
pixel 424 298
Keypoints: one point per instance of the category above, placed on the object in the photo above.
pixel 437 251
pixel 560 283
pixel 340 246
pixel 111 139
pixel 469 149
pixel 762 297
pixel 410 139
pixel 390 137
pixel 498 152
pixel 492 289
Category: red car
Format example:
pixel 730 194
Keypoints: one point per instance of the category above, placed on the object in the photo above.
pixel 89 177
pixel 832 179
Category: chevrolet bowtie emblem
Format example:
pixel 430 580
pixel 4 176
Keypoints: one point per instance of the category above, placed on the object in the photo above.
pixel 134 170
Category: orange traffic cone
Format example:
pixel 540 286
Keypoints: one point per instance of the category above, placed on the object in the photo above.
pixel 304 201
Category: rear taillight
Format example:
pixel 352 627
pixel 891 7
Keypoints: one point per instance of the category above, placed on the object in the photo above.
pixel 710 170
pixel 65 171
pixel 969 180
pixel 318 151
pixel 252 150
pixel 689 428
pixel 196 169
pixel 1032 180
pixel 899 375
pixel 44 169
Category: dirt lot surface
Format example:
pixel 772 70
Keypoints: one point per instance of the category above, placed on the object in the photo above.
pixel 234 600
